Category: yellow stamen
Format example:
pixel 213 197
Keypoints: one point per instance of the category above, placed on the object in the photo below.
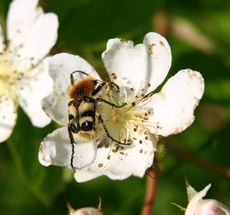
pixel 8 77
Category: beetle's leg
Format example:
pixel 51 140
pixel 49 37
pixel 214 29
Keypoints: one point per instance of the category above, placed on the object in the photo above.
pixel 109 103
pixel 108 134
pixel 99 87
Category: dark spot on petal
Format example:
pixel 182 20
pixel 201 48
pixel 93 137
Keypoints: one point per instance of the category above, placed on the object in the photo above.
pixel 113 75
pixel 162 43
pixel 129 141
pixel 100 165
pixel 151 48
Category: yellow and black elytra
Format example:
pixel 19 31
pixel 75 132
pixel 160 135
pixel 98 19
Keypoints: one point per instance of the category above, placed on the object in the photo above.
pixel 82 114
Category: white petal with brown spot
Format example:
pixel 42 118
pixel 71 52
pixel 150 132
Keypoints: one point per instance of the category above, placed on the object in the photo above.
pixel 143 67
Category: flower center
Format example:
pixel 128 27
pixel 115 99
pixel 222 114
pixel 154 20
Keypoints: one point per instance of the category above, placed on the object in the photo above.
pixel 117 115
pixel 123 123
pixel 8 76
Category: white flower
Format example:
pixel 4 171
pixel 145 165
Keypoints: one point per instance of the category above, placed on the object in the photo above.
pixel 24 78
pixel 198 206
pixel 137 70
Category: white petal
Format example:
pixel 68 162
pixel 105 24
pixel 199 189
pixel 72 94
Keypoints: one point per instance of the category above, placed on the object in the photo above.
pixel 31 32
pixel 7 117
pixel 31 90
pixel 159 60
pixel 173 108
pixel 56 107
pixel 195 200
pixel 85 175
pixel 135 160
pixel 62 65
pixel 2 44
pixel 140 65
pixel 21 16
pixel 57 150
pixel 120 164
pixel 60 68
pixel 41 38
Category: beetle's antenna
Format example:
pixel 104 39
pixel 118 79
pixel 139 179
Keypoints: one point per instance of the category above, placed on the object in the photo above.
pixel 77 71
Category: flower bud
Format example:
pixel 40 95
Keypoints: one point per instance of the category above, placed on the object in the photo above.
pixel 198 206
pixel 86 211
pixel 211 207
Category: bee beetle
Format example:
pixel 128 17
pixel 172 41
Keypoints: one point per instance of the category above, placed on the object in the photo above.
pixel 82 109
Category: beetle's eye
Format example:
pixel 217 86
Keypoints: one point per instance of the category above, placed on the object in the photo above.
pixel 73 128
pixel 87 126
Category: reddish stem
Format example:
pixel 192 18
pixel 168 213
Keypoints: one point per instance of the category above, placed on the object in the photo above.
pixel 150 192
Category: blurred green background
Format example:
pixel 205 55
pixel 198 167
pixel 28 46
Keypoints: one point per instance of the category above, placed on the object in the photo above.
pixel 199 34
